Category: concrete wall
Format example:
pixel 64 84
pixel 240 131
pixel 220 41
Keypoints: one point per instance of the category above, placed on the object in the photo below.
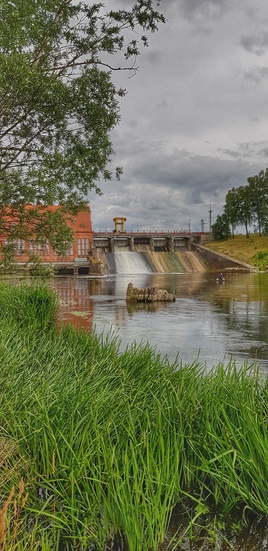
pixel 217 261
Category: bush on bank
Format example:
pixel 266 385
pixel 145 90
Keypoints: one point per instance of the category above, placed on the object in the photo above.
pixel 94 442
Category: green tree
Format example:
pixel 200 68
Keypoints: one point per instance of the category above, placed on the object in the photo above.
pixel 244 207
pixel 231 208
pixel 221 228
pixel 258 191
pixel 58 103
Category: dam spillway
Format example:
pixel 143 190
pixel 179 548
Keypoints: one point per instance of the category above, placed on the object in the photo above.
pixel 147 252
pixel 145 262
pixel 131 263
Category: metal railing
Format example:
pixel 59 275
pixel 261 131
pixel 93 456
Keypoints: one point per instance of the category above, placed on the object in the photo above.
pixel 143 232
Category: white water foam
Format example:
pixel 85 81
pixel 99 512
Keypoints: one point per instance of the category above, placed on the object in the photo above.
pixel 131 263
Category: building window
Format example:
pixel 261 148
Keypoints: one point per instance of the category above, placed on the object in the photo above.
pixel 69 252
pixel 42 249
pixel 82 247
pixel 46 248
pixel 18 244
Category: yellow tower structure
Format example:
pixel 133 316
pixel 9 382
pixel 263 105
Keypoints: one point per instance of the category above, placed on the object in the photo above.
pixel 119 222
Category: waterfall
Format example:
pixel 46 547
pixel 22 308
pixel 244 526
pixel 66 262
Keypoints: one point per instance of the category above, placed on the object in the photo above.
pixel 148 262
pixel 131 263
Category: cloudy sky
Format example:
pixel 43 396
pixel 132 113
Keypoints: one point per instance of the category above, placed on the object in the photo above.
pixel 194 122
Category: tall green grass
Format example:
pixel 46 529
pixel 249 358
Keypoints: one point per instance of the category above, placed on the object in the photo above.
pixel 109 443
pixel 34 306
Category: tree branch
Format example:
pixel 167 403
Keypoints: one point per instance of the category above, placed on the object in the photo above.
pixel 41 51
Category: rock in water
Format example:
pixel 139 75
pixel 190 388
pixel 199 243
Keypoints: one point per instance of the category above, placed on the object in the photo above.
pixel 148 294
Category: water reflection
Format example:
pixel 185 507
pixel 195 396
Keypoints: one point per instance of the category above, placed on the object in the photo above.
pixel 76 304
pixel 210 536
pixel 147 307
pixel 211 321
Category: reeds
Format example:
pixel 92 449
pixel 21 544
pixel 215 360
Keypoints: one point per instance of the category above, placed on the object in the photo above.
pixel 110 442
pixel 32 306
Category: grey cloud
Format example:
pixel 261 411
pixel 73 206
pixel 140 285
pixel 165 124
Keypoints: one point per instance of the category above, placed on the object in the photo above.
pixel 151 163
pixel 256 43
pixel 257 74
pixel 182 170
pixel 171 187
pixel 253 148
pixel 208 9
pixel 133 123
pixel 230 152
pixel 194 121
pixel 264 153
pixel 246 148
pixel 162 104
pixel 153 56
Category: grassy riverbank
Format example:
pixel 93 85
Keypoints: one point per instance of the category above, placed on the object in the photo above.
pixel 95 442
pixel 252 250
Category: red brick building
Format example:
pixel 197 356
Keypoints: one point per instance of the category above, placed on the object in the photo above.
pixel 78 253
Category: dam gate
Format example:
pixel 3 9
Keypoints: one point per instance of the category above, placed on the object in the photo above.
pixel 142 241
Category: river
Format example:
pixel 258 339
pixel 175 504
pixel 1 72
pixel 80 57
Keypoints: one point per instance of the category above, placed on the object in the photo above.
pixel 209 322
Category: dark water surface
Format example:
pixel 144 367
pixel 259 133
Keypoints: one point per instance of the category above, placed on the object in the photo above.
pixel 209 321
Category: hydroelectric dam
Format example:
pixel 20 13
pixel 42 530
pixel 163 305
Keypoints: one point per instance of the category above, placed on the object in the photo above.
pixel 138 252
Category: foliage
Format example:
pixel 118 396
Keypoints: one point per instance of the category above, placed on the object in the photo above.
pixel 265 228
pixel 221 228
pixel 39 269
pixel 110 442
pixel 249 203
pixel 231 208
pixel 238 207
pixel 245 207
pixel 262 259
pixel 58 102
pixel 258 188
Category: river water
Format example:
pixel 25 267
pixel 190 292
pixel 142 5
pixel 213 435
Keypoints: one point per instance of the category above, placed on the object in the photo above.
pixel 209 321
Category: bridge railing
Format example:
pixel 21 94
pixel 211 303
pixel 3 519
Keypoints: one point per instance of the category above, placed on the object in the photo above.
pixel 142 232
pixel 149 232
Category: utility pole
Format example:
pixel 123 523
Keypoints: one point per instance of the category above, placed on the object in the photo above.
pixel 202 225
pixel 210 212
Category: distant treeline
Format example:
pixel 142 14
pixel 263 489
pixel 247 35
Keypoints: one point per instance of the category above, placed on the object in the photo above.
pixel 244 206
